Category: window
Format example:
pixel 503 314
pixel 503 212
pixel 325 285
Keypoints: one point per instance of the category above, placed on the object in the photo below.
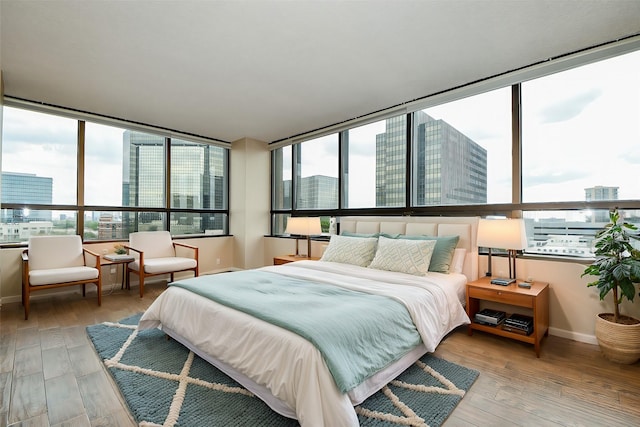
pixel 124 184
pixel 462 151
pixel 580 144
pixel 39 158
pixel 18 224
pixel 581 133
pixel 281 161
pixel 317 173
pixel 104 172
pixel 145 170
pixel 374 169
pixel 569 233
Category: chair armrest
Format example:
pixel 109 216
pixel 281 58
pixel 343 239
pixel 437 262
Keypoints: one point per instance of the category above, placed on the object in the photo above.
pixel 93 254
pixel 184 245
pixel 129 248
pixel 141 253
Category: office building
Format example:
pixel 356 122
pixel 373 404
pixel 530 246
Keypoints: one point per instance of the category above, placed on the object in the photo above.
pixel 450 168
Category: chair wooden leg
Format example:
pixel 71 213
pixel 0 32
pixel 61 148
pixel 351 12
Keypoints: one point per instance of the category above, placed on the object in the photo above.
pixel 99 285
pixel 84 291
pixel 26 304
pixel 141 276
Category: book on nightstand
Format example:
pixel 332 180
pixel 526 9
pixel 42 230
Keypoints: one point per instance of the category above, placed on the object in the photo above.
pixel 502 281
pixel 490 317
pixel 519 324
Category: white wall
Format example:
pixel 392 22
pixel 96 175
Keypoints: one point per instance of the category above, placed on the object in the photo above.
pixel 249 200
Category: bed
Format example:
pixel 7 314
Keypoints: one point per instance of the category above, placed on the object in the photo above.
pixel 293 376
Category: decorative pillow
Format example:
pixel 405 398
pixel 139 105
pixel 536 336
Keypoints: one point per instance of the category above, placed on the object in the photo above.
pixel 350 250
pixel 404 256
pixel 443 252
pixel 352 234
pixel 457 262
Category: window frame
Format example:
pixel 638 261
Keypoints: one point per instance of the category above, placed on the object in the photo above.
pixel 80 208
pixel 516 207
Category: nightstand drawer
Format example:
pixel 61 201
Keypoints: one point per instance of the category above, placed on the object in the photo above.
pixel 502 296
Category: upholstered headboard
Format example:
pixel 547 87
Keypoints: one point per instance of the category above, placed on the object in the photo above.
pixel 465 227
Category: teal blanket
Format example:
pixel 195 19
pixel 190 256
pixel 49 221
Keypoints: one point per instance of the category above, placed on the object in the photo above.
pixel 357 333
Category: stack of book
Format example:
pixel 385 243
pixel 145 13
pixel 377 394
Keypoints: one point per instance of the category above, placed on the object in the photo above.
pixel 518 323
pixel 490 317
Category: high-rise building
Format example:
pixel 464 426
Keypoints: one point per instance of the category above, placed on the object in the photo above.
pixel 391 163
pixel 449 167
pixel 197 180
pixel 600 192
pixel 317 192
pixel 26 188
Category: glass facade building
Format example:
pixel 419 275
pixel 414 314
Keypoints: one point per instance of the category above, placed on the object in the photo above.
pixel 26 188
pixel 197 182
pixel 317 192
pixel 391 163
pixel 448 167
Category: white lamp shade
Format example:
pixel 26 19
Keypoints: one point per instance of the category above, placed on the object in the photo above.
pixel 502 234
pixel 303 226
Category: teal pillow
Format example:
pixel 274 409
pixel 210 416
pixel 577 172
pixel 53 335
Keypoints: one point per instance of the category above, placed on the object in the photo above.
pixel 442 253
pixel 366 235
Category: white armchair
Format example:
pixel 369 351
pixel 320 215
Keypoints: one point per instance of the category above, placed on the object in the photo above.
pixel 155 254
pixel 56 261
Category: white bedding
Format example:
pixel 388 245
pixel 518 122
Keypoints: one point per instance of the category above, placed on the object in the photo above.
pixel 287 365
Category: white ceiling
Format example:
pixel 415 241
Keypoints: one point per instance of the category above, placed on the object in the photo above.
pixel 273 69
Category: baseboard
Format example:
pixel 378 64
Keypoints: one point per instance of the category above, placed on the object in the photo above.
pixel 134 284
pixel 221 270
pixel 575 336
pixel 44 294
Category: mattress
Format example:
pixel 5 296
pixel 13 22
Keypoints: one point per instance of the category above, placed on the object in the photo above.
pixel 284 369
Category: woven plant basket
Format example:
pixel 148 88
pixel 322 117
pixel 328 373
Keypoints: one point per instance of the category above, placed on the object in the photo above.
pixel 619 343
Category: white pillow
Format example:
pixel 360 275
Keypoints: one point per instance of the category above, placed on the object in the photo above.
pixel 457 262
pixel 350 250
pixel 404 256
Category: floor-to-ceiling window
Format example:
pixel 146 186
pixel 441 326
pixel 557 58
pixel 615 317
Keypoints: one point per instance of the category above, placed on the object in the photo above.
pixel 560 149
pixel 580 143
pixel 65 176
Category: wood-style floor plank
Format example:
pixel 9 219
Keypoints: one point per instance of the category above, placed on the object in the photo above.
pixel 98 397
pixel 570 384
pixel 63 399
pixel 28 397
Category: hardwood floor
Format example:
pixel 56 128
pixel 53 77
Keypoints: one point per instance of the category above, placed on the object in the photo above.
pixel 51 376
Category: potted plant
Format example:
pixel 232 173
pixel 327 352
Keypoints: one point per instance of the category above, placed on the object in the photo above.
pixel 617 266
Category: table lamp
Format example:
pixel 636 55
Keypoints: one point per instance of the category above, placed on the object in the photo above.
pixel 303 226
pixel 506 234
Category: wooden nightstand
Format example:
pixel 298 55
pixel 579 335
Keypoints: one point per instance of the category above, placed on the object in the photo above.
pixel 536 299
pixel 284 259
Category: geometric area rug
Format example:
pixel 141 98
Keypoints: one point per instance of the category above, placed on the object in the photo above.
pixel 165 384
